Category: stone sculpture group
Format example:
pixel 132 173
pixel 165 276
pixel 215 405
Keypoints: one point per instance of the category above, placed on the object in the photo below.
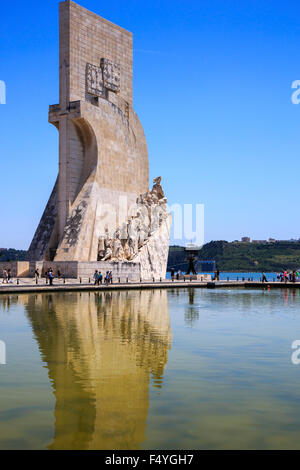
pixel 127 240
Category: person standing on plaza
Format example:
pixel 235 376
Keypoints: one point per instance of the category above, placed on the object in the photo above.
pixel 100 278
pixel 96 277
pixel 4 276
pixel 51 277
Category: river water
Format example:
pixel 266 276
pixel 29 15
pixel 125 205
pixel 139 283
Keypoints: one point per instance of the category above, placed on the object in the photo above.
pixel 234 276
pixel 161 369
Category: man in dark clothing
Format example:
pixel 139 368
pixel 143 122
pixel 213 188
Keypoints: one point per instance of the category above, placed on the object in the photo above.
pixel 51 277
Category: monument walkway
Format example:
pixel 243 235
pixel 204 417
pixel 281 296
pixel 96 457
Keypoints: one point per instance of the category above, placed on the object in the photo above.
pixel 29 285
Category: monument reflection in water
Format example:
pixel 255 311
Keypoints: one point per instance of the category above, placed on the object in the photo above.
pixel 101 350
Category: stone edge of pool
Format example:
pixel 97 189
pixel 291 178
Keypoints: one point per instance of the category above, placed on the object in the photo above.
pixel 10 289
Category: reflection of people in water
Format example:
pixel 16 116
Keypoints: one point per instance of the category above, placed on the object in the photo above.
pixel 191 313
pixel 7 300
pixel 100 351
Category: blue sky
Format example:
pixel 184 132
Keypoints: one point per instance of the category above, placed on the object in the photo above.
pixel 212 88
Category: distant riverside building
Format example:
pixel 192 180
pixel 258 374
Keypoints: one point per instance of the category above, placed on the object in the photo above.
pixel 272 240
pixel 291 240
pixel 259 241
pixel 245 239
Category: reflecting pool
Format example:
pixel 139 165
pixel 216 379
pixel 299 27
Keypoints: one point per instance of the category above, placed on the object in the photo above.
pixel 191 369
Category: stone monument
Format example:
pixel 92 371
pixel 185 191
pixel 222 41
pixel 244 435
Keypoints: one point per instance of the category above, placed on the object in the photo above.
pixel 101 209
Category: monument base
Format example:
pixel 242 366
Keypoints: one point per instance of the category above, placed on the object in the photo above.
pixel 81 269
pixel 17 268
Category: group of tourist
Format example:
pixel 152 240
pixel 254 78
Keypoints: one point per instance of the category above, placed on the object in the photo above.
pixel 49 274
pixel 177 275
pixel 7 276
pixel 98 278
pixel 286 276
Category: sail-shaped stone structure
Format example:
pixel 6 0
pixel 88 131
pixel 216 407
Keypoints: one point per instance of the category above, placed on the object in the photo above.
pixel 101 207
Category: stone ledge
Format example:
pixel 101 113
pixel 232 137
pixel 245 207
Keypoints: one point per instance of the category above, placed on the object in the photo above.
pixel 18 289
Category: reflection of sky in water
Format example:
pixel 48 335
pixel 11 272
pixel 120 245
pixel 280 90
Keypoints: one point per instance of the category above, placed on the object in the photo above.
pixel 229 381
pixel 154 369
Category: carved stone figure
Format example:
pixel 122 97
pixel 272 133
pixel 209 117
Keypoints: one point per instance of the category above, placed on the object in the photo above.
pixel 101 249
pixel 133 235
pixel 127 252
pixel 123 231
pixel 132 249
pixel 107 254
pixel 143 225
pixel 118 248
pixel 157 189
pixel 107 247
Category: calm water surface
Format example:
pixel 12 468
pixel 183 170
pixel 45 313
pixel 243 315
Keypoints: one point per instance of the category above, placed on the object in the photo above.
pixel 224 275
pixel 150 369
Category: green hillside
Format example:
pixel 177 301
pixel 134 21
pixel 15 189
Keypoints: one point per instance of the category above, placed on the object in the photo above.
pixel 232 256
pixel 11 254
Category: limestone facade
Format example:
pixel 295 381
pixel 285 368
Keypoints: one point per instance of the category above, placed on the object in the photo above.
pixel 103 158
pixel 17 268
